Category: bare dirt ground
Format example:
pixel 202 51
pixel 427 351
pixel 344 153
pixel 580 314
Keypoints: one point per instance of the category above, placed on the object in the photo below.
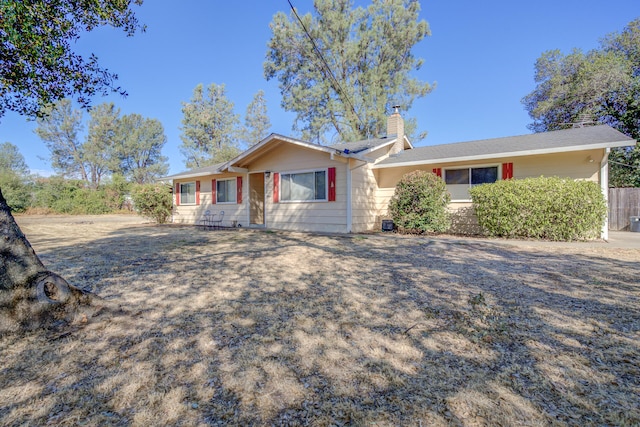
pixel 280 328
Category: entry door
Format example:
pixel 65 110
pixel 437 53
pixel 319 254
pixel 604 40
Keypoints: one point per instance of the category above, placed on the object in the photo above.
pixel 256 199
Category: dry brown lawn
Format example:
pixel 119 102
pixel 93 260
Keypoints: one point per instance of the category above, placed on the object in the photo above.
pixel 281 328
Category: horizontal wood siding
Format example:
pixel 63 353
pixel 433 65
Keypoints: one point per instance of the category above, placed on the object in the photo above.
pixel 322 216
pixel 190 214
pixel 574 165
pixel 623 203
pixel 365 215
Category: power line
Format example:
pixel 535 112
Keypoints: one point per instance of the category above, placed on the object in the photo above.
pixel 624 164
pixel 332 78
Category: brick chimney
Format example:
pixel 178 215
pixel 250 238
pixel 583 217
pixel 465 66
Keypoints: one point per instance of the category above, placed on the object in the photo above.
pixel 395 128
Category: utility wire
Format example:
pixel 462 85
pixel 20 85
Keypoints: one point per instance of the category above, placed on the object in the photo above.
pixel 334 81
pixel 624 164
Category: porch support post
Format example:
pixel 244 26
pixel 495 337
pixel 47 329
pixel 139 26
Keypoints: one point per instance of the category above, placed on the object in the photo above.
pixel 604 185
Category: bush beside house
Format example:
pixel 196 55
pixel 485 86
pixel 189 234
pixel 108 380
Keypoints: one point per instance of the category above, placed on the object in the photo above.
pixel 541 208
pixel 419 203
pixel 153 201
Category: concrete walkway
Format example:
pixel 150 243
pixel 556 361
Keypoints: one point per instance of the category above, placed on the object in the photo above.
pixel 617 240
pixel 624 239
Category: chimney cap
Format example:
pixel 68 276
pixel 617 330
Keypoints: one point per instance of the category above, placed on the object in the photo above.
pixel 396 109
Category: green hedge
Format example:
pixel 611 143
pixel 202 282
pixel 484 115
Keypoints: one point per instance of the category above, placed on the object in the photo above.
pixel 540 208
pixel 419 204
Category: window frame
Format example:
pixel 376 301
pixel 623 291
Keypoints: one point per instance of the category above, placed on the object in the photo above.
pixel 300 172
pixel 182 202
pixel 235 191
pixel 469 169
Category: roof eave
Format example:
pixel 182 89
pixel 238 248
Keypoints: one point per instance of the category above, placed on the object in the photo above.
pixel 377 147
pixel 624 143
pixel 190 175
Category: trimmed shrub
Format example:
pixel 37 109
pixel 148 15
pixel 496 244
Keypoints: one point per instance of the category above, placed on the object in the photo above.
pixel 540 208
pixel 153 201
pixel 419 203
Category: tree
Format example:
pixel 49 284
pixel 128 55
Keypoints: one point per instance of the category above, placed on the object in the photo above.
pixel 138 152
pixel 256 122
pixel 37 63
pixel 98 148
pixel 603 84
pixel 11 160
pixel 343 69
pixel 37 68
pixel 59 128
pixel 210 129
pixel 13 176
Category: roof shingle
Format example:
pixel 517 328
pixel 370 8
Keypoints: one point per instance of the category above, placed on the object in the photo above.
pixel 538 143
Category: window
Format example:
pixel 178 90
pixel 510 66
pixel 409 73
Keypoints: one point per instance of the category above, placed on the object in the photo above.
pixel 188 193
pixel 303 186
pixel 460 180
pixel 226 191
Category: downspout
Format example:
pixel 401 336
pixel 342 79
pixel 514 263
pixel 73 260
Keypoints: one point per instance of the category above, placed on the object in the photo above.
pixel 604 185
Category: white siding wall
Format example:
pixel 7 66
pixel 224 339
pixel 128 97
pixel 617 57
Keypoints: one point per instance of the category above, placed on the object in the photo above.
pixel 320 216
pixel 574 165
pixel 192 214
pixel 365 213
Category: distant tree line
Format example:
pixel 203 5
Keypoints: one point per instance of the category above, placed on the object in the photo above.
pixel 25 192
pixel 129 145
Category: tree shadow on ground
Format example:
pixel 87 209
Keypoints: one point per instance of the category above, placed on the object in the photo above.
pixel 261 328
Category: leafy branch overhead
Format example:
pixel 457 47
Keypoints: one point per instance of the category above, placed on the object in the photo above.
pixel 341 69
pixel 38 65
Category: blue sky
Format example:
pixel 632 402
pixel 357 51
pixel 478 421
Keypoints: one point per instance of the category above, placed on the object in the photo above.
pixel 480 54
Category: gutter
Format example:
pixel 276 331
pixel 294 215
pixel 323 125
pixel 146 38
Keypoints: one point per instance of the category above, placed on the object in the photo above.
pixel 434 161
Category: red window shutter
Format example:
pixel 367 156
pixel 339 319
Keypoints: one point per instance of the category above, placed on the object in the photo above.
pixel 239 190
pixel 332 184
pixel 197 192
pixel 438 172
pixel 276 187
pixel 507 170
pixel 213 191
pixel 177 194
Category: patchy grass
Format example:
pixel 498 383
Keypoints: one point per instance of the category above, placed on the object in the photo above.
pixel 277 328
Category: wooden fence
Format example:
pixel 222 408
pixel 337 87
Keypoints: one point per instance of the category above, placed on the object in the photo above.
pixel 623 203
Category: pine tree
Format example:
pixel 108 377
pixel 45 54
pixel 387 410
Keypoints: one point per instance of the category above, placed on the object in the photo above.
pixel 210 129
pixel 256 122
pixel 342 69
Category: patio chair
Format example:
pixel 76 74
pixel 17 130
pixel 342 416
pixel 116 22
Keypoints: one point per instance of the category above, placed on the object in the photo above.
pixel 207 218
pixel 217 223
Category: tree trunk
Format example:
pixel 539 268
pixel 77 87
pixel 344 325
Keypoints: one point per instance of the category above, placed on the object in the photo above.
pixel 28 291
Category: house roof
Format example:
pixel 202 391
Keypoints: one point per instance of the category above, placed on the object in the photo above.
pixel 601 136
pixel 350 149
pixel 368 145
pixel 194 173
pixel 269 143
pixel 359 146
